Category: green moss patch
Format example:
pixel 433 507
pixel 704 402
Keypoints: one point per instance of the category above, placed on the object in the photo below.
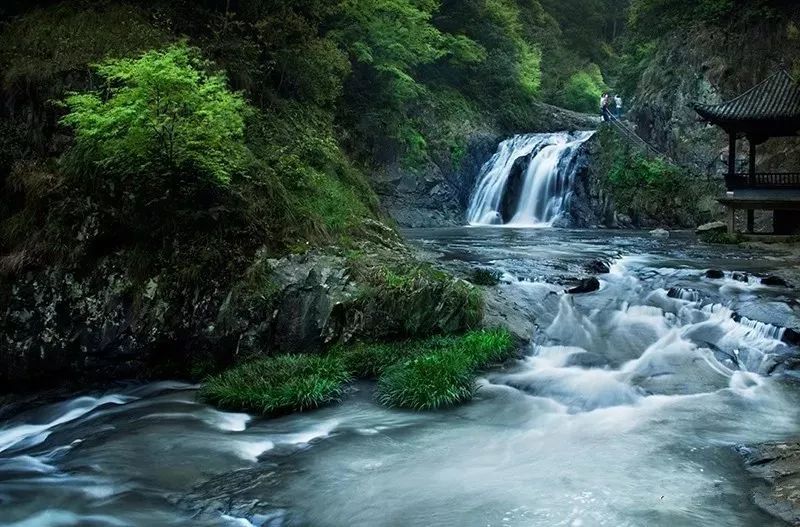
pixel 279 385
pixel 409 299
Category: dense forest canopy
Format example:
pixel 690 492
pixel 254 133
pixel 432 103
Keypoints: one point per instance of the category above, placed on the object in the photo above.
pixel 324 92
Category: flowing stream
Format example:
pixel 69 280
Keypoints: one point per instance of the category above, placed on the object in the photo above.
pixel 626 410
pixel 546 176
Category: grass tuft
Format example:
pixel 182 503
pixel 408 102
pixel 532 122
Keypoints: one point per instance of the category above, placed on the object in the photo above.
pixel 426 374
pixel 430 382
pixel 485 277
pixel 279 385
pixel 442 370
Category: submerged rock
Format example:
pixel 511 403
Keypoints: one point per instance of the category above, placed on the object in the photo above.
pixel 779 465
pixel 587 285
pixel 587 359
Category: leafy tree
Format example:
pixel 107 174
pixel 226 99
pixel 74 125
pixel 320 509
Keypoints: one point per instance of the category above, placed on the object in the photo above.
pixel 160 112
pixel 584 89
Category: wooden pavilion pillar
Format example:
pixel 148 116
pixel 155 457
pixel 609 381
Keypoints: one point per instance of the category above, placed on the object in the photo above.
pixel 731 156
pixel 731 178
pixel 751 181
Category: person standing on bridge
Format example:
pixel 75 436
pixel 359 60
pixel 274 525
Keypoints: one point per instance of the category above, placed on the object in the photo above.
pixel 618 106
pixel 605 101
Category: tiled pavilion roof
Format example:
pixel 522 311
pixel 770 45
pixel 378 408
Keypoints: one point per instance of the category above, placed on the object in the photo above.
pixel 771 108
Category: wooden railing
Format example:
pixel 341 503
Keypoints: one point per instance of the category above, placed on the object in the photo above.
pixel 764 180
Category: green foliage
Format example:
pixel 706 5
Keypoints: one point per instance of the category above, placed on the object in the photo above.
pixel 417 374
pixel 322 195
pixel 441 371
pixel 278 385
pixel 485 277
pixel 721 238
pixel 584 89
pixel 431 382
pixel 646 187
pixel 413 299
pixel 161 112
pixel 66 37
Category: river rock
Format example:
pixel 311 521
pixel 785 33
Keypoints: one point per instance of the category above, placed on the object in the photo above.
pixel 598 267
pixel 716 226
pixel 715 274
pixel 741 277
pixel 791 336
pixel 774 281
pixel 587 285
pixel 659 233
pixel 684 294
pixel 779 465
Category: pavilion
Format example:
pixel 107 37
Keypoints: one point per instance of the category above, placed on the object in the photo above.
pixel 768 110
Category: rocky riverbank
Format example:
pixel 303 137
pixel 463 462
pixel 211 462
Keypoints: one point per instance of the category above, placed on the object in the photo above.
pixel 104 323
pixel 778 466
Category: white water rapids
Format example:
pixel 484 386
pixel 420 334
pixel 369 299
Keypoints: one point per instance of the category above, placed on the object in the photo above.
pixel 625 411
pixel 546 182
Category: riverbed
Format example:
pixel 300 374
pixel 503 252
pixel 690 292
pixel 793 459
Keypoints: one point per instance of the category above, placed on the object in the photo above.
pixel 629 408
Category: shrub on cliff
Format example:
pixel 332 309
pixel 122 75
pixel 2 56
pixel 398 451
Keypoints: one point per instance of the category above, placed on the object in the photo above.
pixel 161 113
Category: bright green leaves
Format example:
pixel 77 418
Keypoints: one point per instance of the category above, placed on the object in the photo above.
pixel 530 68
pixel 392 35
pixel 584 89
pixel 160 112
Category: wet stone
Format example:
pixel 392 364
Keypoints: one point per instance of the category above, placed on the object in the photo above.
pixel 715 274
pixel 598 267
pixel 792 336
pixel 587 285
pixel 741 277
pixel 774 281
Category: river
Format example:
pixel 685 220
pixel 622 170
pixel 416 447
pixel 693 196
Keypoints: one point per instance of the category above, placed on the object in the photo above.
pixel 627 410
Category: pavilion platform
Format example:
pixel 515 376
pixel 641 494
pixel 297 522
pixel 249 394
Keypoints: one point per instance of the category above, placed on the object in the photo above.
pixel 770 109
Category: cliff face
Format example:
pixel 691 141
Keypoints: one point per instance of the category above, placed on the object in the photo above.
pixel 438 193
pixel 712 65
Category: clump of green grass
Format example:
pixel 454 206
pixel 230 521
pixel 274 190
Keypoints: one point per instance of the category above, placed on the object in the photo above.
pixel 430 382
pixel 443 373
pixel 422 374
pixel 485 277
pixel 371 360
pixel 279 385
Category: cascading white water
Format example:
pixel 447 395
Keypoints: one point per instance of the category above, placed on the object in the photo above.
pixel 547 180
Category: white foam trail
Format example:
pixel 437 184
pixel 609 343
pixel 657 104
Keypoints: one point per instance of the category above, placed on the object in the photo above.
pixel 30 434
pixel 252 450
pixel 26 464
pixel 60 518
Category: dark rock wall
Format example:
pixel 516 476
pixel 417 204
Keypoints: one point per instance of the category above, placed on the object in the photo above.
pixel 438 194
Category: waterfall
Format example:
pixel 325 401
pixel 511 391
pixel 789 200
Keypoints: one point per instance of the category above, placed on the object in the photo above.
pixel 546 181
